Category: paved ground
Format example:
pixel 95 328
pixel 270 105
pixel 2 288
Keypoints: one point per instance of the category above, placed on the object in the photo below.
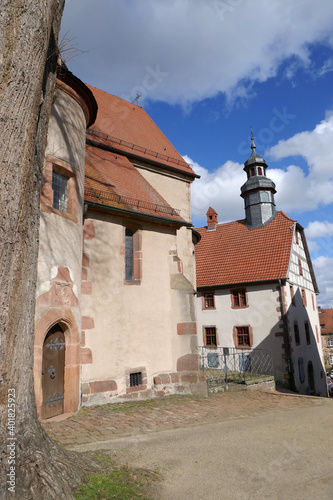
pixel 230 446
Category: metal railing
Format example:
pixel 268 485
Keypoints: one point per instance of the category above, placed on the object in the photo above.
pixel 225 365
pixel 104 196
pixel 135 147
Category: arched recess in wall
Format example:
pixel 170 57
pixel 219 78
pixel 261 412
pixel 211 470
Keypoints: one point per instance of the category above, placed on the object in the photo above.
pixel 62 317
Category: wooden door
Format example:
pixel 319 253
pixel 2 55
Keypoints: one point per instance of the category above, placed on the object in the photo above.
pixel 53 369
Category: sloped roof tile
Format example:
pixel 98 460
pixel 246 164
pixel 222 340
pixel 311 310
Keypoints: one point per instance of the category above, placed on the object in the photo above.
pixel 127 127
pixel 233 253
pixel 111 180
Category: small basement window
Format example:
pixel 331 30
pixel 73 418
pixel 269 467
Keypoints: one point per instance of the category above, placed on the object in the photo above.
pixel 135 379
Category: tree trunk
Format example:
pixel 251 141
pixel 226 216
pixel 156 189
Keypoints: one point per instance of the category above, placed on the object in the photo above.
pixel 32 465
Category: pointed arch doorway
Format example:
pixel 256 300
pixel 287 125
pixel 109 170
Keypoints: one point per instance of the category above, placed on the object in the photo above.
pixel 53 372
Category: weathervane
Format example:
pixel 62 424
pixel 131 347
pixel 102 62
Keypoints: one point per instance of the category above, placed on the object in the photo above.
pixel 137 98
pixel 253 146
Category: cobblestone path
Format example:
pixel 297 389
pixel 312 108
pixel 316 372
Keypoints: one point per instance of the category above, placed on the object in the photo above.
pixel 101 423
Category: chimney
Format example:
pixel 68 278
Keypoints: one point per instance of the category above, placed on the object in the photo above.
pixel 211 219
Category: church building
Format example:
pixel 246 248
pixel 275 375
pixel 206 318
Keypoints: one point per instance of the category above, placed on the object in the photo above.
pixel 115 304
pixel 257 289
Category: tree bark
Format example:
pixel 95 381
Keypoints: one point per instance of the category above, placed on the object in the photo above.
pixel 32 464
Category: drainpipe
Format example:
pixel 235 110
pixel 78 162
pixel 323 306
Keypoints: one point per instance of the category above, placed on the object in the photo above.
pixel 286 339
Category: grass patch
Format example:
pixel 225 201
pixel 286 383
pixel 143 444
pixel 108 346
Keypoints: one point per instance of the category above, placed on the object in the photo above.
pixel 123 483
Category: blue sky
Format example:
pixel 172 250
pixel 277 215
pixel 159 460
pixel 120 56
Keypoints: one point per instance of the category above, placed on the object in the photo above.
pixel 206 71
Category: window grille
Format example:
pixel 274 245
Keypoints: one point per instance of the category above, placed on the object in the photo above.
pixel 210 334
pixel 209 300
pixel 60 191
pixel 243 336
pixel 239 298
pixel 135 379
pixel 128 255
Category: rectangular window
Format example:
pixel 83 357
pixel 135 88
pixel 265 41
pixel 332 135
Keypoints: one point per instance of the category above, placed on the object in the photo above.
pixel 304 297
pixel 296 236
pixel 307 333
pixel 238 298
pixel 243 336
pixel 300 269
pixel 292 295
pixel 313 302
pixel 208 301
pixel 330 342
pixel 128 255
pixel 60 191
pixel 135 379
pixel 331 359
pixel 296 333
pixel 210 336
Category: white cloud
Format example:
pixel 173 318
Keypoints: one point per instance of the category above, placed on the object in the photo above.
pixel 316 147
pixel 187 50
pixel 319 229
pixel 323 267
pixel 219 189
pixel 298 191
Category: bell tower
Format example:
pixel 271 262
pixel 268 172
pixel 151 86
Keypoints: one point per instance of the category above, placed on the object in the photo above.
pixel 258 191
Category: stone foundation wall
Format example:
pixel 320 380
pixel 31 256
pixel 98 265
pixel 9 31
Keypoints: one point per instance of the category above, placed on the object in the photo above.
pixel 106 391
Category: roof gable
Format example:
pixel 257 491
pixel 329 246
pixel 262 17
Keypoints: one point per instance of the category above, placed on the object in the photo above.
pixel 234 254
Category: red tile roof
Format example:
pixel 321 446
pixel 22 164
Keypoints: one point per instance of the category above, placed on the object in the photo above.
pixel 111 180
pixel 127 127
pixel 233 253
pixel 326 318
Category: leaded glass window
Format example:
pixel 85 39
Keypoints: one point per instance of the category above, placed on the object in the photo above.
pixel 128 255
pixel 60 191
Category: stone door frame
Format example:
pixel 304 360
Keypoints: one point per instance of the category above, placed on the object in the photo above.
pixel 64 317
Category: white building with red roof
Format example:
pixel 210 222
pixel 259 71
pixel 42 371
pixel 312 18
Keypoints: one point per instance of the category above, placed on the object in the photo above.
pixel 257 289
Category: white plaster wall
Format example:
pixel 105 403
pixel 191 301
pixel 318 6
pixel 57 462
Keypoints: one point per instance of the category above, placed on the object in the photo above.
pixel 60 239
pixel 177 193
pixel 135 325
pixel 261 314
pixel 300 313
pixel 67 132
pixel 314 351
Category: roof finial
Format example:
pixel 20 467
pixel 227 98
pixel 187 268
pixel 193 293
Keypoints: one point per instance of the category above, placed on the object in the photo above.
pixel 253 146
pixel 137 98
